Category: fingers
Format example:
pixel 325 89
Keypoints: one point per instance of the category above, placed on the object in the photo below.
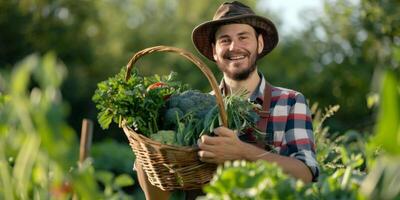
pixel 208 140
pixel 206 156
pixel 224 132
pixel 206 147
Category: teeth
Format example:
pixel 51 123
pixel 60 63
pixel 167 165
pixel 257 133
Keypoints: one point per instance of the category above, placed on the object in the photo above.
pixel 236 57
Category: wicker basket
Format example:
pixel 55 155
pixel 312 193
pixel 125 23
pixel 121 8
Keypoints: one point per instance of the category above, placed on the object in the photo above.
pixel 171 167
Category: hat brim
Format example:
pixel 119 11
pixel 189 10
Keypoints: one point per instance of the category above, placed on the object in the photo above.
pixel 201 35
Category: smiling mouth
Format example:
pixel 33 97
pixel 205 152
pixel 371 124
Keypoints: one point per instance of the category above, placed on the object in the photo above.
pixel 235 57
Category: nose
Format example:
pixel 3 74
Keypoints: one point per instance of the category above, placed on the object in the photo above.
pixel 233 45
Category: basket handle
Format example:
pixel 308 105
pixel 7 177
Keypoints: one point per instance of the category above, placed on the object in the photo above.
pixel 200 64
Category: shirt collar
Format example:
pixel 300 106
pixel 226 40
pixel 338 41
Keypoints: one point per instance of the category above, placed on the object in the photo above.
pixel 257 95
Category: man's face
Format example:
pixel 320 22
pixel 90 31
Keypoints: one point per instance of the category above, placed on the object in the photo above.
pixel 235 50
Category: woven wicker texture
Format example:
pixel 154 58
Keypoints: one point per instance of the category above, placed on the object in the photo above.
pixel 171 167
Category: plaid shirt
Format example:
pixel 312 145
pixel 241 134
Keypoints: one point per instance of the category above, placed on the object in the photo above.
pixel 289 130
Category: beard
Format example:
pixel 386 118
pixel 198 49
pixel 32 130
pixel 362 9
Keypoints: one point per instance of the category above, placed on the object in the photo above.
pixel 243 74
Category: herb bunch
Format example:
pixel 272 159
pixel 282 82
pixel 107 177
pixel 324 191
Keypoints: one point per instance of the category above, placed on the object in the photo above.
pixel 240 112
pixel 135 101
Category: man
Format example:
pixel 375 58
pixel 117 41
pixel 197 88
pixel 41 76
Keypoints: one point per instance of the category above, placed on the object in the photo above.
pixel 235 40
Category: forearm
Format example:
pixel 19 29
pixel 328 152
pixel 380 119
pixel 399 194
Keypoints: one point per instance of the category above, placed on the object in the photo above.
pixel 291 166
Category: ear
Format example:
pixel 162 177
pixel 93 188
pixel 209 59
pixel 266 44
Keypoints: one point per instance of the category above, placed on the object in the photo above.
pixel 214 52
pixel 260 41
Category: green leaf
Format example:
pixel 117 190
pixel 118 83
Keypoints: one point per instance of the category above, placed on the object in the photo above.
pixel 388 127
pixel 21 76
pixel 372 100
pixel 124 180
pixel 5 175
pixel 105 177
pixel 344 155
pixel 209 121
pixel 105 118
pixel 24 163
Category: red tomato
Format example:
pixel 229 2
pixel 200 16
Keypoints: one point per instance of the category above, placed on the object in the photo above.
pixel 156 85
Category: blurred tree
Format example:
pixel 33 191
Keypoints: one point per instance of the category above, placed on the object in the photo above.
pixel 339 57
pixel 60 26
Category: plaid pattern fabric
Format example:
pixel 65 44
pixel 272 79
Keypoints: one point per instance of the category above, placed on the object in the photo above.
pixel 289 130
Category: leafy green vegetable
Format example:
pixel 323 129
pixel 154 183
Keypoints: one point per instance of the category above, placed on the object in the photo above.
pixel 241 112
pixel 185 113
pixel 117 100
pixel 252 180
pixel 264 180
pixel 164 137
pixel 150 104
pixel 192 113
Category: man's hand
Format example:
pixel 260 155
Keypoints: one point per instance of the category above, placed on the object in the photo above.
pixel 225 146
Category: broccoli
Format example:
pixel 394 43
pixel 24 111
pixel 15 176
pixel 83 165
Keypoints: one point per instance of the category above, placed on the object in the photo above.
pixel 190 102
pixel 164 137
pixel 171 115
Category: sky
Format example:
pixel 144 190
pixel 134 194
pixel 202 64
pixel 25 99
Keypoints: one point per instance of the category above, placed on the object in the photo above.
pixel 290 11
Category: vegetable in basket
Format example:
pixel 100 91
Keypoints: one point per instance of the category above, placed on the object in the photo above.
pixel 163 109
pixel 192 113
pixel 185 113
pixel 164 136
pixel 137 100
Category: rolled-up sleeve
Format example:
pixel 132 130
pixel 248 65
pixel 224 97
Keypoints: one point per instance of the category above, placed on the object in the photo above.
pixel 299 137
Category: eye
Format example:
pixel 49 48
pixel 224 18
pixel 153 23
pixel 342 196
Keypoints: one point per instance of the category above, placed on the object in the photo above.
pixel 224 41
pixel 243 37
